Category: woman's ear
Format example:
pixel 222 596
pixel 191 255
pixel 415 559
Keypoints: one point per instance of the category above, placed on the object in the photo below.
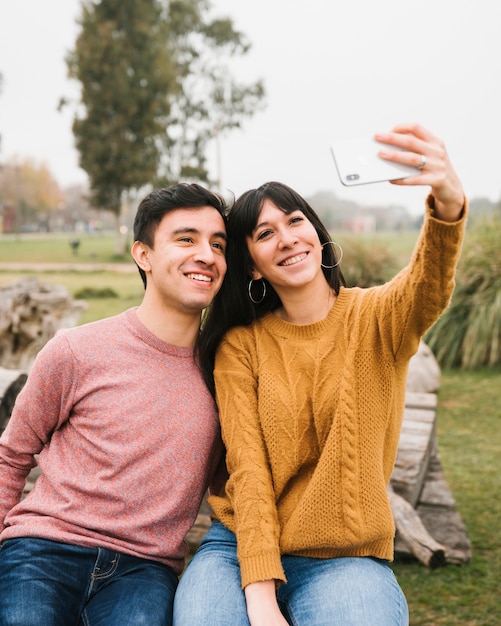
pixel 255 275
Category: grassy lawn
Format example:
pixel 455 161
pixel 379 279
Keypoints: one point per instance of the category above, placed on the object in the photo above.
pixel 469 437
pixel 55 248
pixel 100 247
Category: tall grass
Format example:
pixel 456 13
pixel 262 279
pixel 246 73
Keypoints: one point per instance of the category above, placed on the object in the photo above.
pixel 468 335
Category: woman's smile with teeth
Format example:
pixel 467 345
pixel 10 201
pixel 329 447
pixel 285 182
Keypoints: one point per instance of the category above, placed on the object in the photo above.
pixel 294 259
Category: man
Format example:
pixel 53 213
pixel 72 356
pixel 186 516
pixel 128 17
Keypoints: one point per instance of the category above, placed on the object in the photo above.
pixel 127 439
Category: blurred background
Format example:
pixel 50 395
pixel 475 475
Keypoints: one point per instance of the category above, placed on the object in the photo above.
pixel 102 100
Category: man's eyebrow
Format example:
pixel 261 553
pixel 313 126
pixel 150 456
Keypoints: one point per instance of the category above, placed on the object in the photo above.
pixel 195 231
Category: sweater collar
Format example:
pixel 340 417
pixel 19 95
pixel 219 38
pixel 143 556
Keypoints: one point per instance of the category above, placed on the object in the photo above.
pixel 280 327
pixel 140 331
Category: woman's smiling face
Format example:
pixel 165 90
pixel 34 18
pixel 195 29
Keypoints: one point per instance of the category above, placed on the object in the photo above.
pixel 285 248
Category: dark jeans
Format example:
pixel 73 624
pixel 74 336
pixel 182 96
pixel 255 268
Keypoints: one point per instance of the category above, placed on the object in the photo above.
pixel 46 583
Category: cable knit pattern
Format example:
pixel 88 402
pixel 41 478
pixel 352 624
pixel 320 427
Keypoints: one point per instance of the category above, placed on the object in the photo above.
pixel 311 415
pixel 127 436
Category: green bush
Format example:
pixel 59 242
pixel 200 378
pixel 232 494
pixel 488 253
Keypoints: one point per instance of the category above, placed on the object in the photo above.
pixel 367 263
pixel 95 293
pixel 468 335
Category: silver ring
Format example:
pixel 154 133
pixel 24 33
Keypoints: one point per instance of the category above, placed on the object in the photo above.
pixel 422 163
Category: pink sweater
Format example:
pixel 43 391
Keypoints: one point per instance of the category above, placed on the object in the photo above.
pixel 127 437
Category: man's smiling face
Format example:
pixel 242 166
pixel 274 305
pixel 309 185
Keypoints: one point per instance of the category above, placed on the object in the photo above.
pixel 187 264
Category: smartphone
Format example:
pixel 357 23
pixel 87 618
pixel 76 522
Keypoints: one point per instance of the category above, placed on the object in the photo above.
pixel 357 162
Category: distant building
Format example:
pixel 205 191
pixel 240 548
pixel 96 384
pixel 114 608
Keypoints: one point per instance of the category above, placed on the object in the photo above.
pixel 7 219
pixel 361 224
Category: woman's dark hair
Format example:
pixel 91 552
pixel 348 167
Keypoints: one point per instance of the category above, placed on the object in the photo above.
pixel 232 305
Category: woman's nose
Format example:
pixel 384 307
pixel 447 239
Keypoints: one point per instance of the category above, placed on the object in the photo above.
pixel 287 240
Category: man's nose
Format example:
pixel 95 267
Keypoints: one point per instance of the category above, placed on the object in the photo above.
pixel 205 253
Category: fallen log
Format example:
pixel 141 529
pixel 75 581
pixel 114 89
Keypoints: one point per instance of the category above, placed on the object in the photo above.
pixel 437 510
pixel 414 534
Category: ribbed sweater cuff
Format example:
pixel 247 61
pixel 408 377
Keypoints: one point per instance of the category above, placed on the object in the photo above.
pixel 266 566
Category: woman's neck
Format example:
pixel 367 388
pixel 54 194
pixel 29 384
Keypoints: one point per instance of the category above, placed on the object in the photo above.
pixel 305 306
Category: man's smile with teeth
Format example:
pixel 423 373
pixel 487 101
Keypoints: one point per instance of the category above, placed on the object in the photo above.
pixel 206 279
pixel 294 259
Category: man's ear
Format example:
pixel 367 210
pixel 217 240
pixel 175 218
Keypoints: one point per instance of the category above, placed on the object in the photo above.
pixel 140 254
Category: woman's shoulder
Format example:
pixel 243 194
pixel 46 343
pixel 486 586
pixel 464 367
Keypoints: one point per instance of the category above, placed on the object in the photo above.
pixel 243 333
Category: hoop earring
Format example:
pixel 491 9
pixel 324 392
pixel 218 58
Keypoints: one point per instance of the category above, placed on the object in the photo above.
pixel 249 290
pixel 334 243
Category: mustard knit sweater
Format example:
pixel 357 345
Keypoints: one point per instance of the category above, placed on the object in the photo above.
pixel 311 415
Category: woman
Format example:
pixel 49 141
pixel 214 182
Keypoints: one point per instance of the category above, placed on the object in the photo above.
pixel 310 382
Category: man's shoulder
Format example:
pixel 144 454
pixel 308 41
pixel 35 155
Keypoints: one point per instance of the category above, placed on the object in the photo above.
pixel 97 330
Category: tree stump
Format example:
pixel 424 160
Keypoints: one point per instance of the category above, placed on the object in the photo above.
pixel 30 314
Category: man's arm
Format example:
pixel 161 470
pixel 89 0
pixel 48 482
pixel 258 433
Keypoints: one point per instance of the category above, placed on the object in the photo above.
pixel 40 408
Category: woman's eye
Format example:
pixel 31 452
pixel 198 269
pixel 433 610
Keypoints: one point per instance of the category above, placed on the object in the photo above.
pixel 294 220
pixel 264 234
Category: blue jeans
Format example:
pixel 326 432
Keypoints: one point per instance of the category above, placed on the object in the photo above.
pixel 46 583
pixel 345 591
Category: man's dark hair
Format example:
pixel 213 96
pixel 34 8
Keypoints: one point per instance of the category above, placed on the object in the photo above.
pixel 159 202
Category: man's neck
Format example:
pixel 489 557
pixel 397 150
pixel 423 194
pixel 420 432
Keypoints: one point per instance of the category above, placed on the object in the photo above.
pixel 175 327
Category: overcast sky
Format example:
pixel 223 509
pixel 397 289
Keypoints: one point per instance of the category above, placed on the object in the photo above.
pixel 330 69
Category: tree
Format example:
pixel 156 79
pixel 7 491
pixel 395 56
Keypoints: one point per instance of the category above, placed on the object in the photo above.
pixel 1 81
pixel 208 101
pixel 155 88
pixel 122 63
pixel 29 192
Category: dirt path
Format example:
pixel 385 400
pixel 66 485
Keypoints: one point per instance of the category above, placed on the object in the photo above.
pixel 70 267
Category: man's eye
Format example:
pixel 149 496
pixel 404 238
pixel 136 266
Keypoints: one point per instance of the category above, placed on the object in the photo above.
pixel 219 246
pixel 186 239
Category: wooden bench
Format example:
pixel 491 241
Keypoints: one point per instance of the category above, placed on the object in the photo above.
pixel 415 445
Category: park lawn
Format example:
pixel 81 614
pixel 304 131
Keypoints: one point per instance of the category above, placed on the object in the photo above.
pixel 101 247
pixel 56 248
